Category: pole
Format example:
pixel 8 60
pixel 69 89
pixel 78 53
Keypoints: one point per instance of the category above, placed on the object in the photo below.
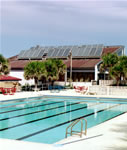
pixel 65 77
pixel 70 68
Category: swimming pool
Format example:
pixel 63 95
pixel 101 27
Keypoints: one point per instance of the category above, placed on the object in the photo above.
pixel 45 119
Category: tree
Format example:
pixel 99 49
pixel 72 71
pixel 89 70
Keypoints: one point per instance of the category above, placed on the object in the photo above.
pixel 109 60
pixel 61 67
pixel 123 63
pixel 116 72
pixel 51 69
pixel 115 65
pixel 54 68
pixel 35 70
pixel 4 66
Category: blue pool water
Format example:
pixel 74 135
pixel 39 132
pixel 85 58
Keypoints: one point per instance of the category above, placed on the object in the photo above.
pixel 45 119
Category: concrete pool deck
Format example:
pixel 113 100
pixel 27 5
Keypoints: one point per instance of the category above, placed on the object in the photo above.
pixel 110 135
pixel 54 92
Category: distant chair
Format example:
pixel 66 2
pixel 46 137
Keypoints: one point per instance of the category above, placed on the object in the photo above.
pixel 77 89
pixel 6 91
pixel 84 89
pixel 81 89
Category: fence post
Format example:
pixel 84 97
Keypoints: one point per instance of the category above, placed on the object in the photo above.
pixel 107 90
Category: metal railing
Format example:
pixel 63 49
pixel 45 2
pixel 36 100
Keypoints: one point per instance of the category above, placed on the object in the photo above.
pixel 73 132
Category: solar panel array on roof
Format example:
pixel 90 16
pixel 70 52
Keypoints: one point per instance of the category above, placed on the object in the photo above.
pixel 40 54
pixel 21 54
pixel 99 50
pixel 50 52
pixel 74 50
pixel 62 52
pixel 66 52
pixel 55 52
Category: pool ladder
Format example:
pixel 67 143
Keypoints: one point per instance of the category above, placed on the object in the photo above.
pixel 72 132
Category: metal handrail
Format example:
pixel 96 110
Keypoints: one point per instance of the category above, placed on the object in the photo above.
pixel 72 132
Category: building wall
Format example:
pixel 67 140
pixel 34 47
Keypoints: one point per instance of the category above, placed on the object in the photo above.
pixel 19 74
pixel 81 75
pixel 10 84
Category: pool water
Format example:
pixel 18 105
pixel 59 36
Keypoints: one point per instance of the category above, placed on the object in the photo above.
pixel 45 119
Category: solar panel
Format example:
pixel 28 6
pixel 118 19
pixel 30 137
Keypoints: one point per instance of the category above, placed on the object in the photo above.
pixel 86 50
pixel 40 54
pixel 99 50
pixel 37 53
pixel 46 49
pixel 27 54
pixel 80 51
pixel 50 52
pixel 60 53
pixel 92 52
pixel 55 52
pixel 21 54
pixel 33 53
pixel 74 51
pixel 66 52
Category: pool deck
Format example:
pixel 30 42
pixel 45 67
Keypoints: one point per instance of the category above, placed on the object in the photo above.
pixel 110 135
pixel 55 92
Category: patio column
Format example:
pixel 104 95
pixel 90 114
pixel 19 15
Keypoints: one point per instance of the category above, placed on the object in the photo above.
pixel 96 73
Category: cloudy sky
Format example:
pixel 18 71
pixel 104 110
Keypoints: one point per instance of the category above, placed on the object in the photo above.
pixel 27 23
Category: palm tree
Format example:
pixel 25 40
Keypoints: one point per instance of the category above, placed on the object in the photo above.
pixel 35 70
pixel 61 67
pixel 115 65
pixel 116 72
pixel 52 71
pixel 54 68
pixel 120 69
pixel 109 60
pixel 4 67
pixel 123 63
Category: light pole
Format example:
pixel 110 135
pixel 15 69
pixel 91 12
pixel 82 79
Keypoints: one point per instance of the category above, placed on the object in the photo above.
pixel 70 67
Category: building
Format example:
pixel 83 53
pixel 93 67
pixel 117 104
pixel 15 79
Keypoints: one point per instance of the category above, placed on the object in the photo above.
pixel 85 60
pixel 9 81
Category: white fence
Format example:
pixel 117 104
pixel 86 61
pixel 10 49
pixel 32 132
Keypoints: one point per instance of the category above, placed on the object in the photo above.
pixel 74 83
pixel 105 82
pixel 109 90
